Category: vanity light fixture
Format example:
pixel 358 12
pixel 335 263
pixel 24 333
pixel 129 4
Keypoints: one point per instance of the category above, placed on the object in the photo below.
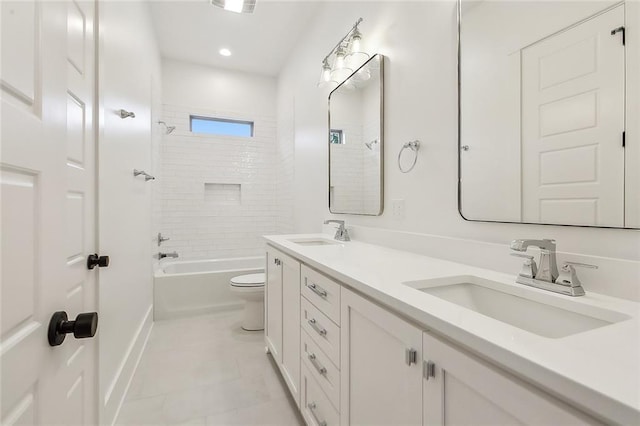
pixel 346 56
pixel 238 6
pixel 225 52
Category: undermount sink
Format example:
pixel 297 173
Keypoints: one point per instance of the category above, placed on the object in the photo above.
pixel 542 314
pixel 315 242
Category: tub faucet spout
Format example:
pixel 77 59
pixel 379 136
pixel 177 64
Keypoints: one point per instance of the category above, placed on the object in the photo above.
pixel 163 255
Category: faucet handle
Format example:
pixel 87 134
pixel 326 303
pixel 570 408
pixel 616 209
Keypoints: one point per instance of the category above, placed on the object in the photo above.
pixel 529 268
pixel 565 265
pixel 568 276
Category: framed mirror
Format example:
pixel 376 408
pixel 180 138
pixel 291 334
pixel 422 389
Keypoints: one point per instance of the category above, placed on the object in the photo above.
pixel 356 142
pixel 549 108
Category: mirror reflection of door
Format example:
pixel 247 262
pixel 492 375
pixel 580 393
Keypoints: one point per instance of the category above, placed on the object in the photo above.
pixel 545 89
pixel 572 123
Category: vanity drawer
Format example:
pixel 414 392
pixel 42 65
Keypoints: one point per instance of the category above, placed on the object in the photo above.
pixel 321 329
pixel 322 291
pixel 314 404
pixel 322 369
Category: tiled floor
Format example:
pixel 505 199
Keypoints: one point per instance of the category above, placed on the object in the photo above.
pixel 207 371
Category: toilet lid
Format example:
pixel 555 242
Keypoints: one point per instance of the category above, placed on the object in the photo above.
pixel 250 280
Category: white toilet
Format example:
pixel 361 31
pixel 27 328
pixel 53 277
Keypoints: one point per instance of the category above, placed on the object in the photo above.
pixel 250 288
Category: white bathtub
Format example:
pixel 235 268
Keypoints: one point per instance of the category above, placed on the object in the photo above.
pixel 186 288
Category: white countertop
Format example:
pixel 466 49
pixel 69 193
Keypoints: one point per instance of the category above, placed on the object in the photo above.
pixel 597 370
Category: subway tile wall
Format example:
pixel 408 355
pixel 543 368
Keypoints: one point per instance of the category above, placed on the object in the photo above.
pixel 218 194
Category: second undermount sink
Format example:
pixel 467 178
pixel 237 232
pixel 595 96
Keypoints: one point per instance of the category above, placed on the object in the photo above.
pixel 544 315
pixel 315 242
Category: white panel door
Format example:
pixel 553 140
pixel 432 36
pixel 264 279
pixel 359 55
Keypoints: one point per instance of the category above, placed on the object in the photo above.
pixel 572 122
pixel 273 305
pixel 466 391
pixel 291 325
pixel 48 210
pixel 380 379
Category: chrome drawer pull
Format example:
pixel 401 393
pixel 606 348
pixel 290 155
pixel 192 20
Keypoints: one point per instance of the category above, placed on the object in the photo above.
pixel 318 290
pixel 312 407
pixel 316 364
pixel 314 324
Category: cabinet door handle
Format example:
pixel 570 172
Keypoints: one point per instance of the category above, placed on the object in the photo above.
pixel 411 356
pixel 429 370
pixel 317 290
pixel 312 408
pixel 314 324
pixel 316 364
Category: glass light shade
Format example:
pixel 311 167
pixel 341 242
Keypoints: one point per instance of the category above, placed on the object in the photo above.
pixel 356 59
pixel 341 74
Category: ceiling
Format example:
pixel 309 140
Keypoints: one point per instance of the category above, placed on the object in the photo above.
pixel 194 31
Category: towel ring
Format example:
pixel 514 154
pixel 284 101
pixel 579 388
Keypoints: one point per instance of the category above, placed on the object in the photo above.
pixel 413 146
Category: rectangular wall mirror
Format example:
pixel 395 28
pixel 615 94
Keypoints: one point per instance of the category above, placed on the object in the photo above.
pixel 356 141
pixel 548 112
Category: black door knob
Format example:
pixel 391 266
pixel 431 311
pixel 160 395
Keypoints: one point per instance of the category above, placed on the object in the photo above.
pixel 85 325
pixel 94 260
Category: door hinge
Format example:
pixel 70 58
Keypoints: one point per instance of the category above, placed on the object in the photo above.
pixel 623 31
pixel 624 139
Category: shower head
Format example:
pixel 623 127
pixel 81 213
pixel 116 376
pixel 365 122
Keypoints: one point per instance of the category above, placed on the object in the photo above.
pixel 168 129
pixel 370 145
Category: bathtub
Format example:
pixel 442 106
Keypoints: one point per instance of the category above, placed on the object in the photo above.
pixel 187 288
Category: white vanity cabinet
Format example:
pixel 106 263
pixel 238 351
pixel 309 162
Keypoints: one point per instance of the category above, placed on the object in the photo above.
pixel 381 365
pixel 460 389
pixel 347 360
pixel 282 316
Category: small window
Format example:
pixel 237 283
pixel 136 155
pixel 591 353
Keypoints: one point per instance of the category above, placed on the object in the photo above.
pixel 336 137
pixel 221 126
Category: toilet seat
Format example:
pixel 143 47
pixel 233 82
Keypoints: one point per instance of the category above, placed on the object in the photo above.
pixel 249 280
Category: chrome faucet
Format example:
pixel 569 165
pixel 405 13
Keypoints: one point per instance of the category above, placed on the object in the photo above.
pixel 163 255
pixel 548 266
pixel 341 234
pixel 546 275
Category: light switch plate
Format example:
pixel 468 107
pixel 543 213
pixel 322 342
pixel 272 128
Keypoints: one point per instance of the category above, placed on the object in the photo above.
pixel 397 209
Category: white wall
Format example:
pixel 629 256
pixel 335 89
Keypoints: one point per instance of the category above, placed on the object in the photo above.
pixel 218 193
pixel 129 79
pixel 421 103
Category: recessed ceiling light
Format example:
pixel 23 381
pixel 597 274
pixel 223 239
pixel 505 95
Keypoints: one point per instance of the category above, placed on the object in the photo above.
pixel 225 52
pixel 238 6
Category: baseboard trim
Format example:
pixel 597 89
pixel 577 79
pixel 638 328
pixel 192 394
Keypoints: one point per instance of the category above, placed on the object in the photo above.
pixel 117 390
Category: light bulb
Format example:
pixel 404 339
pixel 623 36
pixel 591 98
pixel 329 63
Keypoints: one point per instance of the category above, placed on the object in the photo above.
pixel 326 70
pixel 225 52
pixel 355 41
pixel 339 58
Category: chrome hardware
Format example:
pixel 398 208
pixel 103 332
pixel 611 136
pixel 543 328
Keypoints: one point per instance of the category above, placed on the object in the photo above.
pixel 317 290
pixel 314 324
pixel 414 146
pixel 411 356
pixel 529 268
pixel 312 406
pixel 429 369
pixel 547 266
pixel 163 255
pixel 123 113
pixel 161 239
pixel 341 234
pixel 569 279
pixel 147 176
pixel 547 276
pixel 316 364
pixel 464 148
